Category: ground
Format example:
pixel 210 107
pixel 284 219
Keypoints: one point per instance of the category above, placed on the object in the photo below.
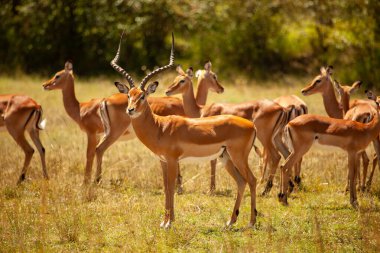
pixel 124 212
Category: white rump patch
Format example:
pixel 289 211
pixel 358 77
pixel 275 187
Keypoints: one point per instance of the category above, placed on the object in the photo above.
pixel 42 124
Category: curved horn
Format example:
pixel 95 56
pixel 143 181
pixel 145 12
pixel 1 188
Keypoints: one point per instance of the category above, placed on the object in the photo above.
pixel 120 69
pixel 159 70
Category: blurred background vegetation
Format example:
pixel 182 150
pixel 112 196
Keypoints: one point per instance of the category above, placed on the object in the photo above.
pixel 257 39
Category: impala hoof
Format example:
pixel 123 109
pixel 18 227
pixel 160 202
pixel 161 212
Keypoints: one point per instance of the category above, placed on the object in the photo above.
pixel 179 190
pixel 166 225
pixel 283 199
pixel 355 204
pixel 267 189
pixel 21 179
pixel 251 225
pixel 229 224
pixel 297 180
pixel 291 187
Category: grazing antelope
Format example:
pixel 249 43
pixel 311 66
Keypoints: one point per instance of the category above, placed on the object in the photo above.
pixel 268 116
pixel 175 138
pixel 359 111
pixel 112 111
pixel 18 114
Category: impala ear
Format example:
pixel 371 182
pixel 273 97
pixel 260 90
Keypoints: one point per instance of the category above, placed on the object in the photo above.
pixel 180 70
pixel 122 87
pixel 355 86
pixel 151 88
pixel 68 67
pixel 338 87
pixel 189 72
pixel 329 70
pixel 323 71
pixel 208 66
pixel 370 95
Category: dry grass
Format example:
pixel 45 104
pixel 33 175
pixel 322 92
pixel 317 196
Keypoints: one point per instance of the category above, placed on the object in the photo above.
pixel 123 214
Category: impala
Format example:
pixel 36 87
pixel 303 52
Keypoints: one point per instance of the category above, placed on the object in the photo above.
pixel 359 111
pixel 375 161
pixel 84 114
pixel 300 108
pixel 351 136
pixel 113 111
pixel 269 117
pixel 18 114
pixel 175 138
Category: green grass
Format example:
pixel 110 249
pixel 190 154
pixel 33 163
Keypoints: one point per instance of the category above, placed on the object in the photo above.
pixel 124 213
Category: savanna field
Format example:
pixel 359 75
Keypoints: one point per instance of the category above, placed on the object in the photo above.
pixel 123 214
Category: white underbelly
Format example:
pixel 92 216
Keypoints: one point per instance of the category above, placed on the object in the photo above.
pixel 208 156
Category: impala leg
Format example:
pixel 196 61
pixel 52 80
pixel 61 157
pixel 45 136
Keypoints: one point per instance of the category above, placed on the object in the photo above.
pixel 104 144
pixel 297 172
pixel 179 182
pixel 293 158
pixel 241 164
pixel 213 171
pixel 264 166
pixel 240 182
pixel 376 160
pixel 172 170
pixel 362 180
pixel 35 136
pixel 274 160
pixel 352 173
pixel 19 137
pixel 164 167
pixel 91 148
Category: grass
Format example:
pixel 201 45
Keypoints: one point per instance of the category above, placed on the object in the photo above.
pixel 124 212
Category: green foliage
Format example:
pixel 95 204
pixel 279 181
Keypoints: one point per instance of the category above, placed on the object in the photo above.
pixel 256 38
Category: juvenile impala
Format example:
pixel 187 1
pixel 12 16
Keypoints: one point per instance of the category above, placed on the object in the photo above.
pixel 360 109
pixel 18 114
pixel 175 138
pixel 351 136
pixel 269 117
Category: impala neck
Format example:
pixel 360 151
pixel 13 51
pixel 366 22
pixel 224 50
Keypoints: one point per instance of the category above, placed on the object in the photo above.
pixel 331 103
pixel 146 127
pixel 70 102
pixel 202 93
pixel 190 105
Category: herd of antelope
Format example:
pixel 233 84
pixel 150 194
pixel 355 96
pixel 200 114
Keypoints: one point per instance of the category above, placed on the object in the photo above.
pixel 176 130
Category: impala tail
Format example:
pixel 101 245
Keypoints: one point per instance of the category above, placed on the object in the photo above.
pixel 288 139
pixel 104 116
pixel 257 150
pixel 40 123
pixel 286 115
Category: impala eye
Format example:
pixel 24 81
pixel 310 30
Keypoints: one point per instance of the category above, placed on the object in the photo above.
pixel 142 97
pixel 215 77
pixel 182 81
pixel 57 76
pixel 318 81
